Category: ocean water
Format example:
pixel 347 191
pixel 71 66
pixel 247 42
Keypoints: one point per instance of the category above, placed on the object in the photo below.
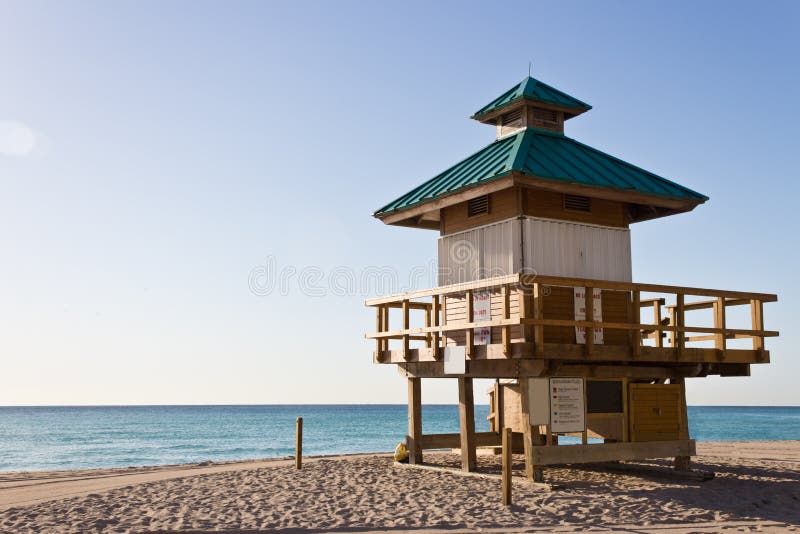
pixel 37 438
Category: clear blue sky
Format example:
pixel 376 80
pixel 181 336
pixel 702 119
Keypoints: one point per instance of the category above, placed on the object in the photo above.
pixel 153 154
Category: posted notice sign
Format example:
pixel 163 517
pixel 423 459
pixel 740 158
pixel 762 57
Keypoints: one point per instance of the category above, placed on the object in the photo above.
pixel 482 311
pixel 455 360
pixel 567 405
pixel 580 315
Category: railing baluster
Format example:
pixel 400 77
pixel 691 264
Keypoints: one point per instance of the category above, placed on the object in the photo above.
pixel 757 322
pixel 378 329
pixel 589 316
pixel 538 313
pixel 636 317
pixel 428 336
pixel 506 330
pixel 719 322
pixel 470 331
pixel 672 323
pixel 435 318
pixel 657 322
pixel 405 327
pixel 680 335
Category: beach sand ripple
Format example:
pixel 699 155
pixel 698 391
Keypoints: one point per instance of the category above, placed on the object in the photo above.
pixel 757 488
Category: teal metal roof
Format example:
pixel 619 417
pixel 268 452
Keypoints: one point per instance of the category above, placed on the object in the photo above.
pixel 543 154
pixel 533 89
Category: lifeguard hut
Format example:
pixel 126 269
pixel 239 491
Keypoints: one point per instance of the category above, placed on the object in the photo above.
pixel 536 291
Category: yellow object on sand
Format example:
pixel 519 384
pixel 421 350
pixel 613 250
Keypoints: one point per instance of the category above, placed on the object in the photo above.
pixel 400 453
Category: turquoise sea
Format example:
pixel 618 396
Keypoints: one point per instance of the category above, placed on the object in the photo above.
pixel 36 438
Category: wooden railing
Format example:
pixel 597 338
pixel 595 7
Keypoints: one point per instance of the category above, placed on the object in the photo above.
pixel 527 292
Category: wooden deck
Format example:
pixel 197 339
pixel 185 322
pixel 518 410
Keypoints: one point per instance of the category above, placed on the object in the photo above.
pixel 533 330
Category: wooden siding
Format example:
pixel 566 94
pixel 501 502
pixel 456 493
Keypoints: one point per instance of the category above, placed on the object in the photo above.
pixel 456 312
pixel 550 205
pixel 515 201
pixel 502 205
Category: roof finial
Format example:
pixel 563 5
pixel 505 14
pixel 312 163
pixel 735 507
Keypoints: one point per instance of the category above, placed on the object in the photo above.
pixel 530 64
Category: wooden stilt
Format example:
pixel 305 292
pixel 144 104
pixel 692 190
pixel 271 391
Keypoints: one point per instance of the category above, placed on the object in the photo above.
pixel 527 431
pixel 506 485
pixel 298 444
pixel 683 463
pixel 414 420
pixel 466 410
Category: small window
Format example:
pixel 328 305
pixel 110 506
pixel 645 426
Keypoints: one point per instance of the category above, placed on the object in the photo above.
pixel 577 203
pixel 478 206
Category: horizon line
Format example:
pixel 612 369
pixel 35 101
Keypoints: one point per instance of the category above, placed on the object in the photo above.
pixel 331 404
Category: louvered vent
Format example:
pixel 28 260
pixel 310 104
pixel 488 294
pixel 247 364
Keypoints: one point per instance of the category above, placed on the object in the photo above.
pixel 545 118
pixel 577 203
pixel 512 118
pixel 478 206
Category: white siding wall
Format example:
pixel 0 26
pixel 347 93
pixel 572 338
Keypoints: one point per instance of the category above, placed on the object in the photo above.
pixel 548 247
pixel 560 248
pixel 484 252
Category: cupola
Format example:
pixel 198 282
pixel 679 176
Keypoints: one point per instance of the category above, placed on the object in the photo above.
pixel 530 103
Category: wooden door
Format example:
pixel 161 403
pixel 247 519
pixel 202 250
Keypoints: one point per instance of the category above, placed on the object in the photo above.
pixel 655 412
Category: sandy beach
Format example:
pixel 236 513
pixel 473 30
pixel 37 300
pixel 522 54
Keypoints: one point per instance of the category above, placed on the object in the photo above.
pixel 756 488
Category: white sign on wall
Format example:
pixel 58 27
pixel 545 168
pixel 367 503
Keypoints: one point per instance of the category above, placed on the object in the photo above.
pixel 455 360
pixel 539 401
pixel 580 315
pixel 567 405
pixel 482 311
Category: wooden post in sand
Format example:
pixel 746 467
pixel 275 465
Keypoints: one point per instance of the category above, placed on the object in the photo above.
pixel 298 444
pixel 506 485
pixel 466 412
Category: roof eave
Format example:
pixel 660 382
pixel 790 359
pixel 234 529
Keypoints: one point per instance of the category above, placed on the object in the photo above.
pixel 516 178
pixel 490 114
pixel 608 193
pixel 496 183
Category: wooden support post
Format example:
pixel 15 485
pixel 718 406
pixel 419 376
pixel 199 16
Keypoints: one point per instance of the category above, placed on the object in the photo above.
pixel 499 409
pixel 470 317
pixel 757 321
pixel 506 485
pixel 719 322
pixel 298 444
pixel 625 414
pixel 414 439
pixel 538 313
pixel 405 327
pixel 466 412
pixel 588 348
pixel 492 417
pixel 636 317
pixel 657 322
pixel 506 330
pixel 680 335
pixel 682 463
pixel 435 318
pixel 531 470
